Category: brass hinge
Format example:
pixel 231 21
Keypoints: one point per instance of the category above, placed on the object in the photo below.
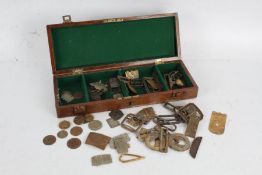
pixel 67 19
pixel 158 61
pixel 113 20
pixel 77 71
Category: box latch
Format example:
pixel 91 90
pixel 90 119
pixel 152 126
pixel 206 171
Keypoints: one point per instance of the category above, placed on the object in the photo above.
pixel 67 19
pixel 158 61
pixel 77 71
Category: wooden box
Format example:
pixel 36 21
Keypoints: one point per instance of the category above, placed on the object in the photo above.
pixel 93 51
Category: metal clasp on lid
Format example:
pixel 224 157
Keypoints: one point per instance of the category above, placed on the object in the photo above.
pixel 66 18
pixel 158 61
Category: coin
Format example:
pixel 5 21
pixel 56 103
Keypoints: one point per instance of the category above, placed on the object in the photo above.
pixel 76 131
pixel 64 124
pixel 78 95
pixel 62 134
pixel 49 140
pixel 73 143
pixel 79 120
pixel 88 118
pixel 95 125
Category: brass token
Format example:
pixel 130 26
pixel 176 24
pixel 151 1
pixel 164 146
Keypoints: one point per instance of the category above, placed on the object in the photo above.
pixel 78 95
pixel 49 140
pixel 62 134
pixel 76 131
pixel 73 143
pixel 88 118
pixel 217 123
pixel 64 124
pixel 95 125
pixel 79 120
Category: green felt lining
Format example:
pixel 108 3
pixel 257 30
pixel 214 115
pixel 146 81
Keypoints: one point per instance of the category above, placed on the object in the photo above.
pixel 100 44
pixel 81 82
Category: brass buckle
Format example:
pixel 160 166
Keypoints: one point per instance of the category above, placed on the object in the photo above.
pixel 130 122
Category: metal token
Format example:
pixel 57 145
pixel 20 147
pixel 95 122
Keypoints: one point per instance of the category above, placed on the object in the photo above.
pixel 49 140
pixel 64 124
pixel 62 134
pixel 88 118
pixel 99 86
pixel 194 147
pixel 116 114
pixel 79 120
pixel 101 159
pixel 112 123
pixel 175 142
pixel 97 140
pixel 95 125
pixel 217 123
pixel 120 143
pixel 192 127
pixel 78 95
pixel 124 137
pixel 76 131
pixel 73 143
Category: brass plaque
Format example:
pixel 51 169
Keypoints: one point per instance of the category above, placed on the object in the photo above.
pixel 217 123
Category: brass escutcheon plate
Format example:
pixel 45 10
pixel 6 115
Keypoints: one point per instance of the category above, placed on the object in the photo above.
pixel 217 123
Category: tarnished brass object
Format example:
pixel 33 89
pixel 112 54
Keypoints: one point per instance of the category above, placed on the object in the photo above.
pixel 142 133
pixel 113 20
pixel 194 147
pixel 67 96
pixel 49 140
pixel 174 78
pixel 163 139
pixel 132 158
pixel 116 114
pixel 151 139
pixel 97 140
pixel 217 123
pixel 131 88
pixel 101 159
pixel 175 142
pixel 99 86
pixel 190 110
pixel 131 123
pixel 112 123
pixel 132 74
pixel 120 143
pixel 192 127
pixel 146 115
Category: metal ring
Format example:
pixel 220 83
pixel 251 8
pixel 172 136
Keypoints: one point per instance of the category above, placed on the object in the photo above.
pixel 174 140
pixel 150 137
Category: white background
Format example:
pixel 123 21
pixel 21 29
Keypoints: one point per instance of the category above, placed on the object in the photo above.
pixel 221 45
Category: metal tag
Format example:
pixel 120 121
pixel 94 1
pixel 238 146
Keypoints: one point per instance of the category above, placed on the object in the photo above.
pixel 217 123
pixel 192 127
pixel 97 140
pixel 112 123
pixel 101 159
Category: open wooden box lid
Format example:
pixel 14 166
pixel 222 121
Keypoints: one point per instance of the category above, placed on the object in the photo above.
pixel 77 47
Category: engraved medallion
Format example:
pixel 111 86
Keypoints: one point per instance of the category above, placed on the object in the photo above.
pixel 98 140
pixel 95 125
pixel 79 120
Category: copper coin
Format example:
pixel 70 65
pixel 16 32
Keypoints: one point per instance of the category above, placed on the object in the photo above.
pixel 64 124
pixel 79 120
pixel 62 134
pixel 49 140
pixel 95 125
pixel 88 118
pixel 73 143
pixel 78 95
pixel 76 131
